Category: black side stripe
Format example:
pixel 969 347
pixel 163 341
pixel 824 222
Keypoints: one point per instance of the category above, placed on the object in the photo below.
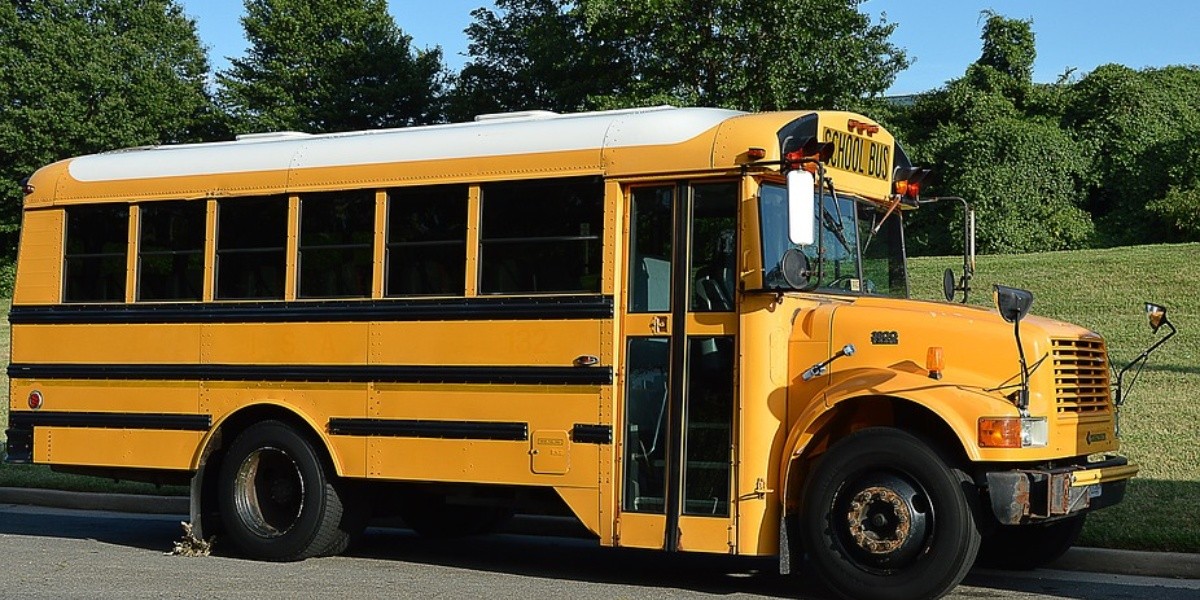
pixel 456 430
pixel 450 309
pixel 591 434
pixel 318 373
pixel 105 420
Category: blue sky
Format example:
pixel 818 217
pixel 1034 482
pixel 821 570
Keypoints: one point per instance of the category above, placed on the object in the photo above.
pixel 943 36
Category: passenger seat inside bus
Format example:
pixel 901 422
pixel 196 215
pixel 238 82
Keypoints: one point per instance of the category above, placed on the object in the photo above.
pixel 651 285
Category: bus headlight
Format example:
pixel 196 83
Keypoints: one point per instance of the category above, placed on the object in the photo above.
pixel 1013 432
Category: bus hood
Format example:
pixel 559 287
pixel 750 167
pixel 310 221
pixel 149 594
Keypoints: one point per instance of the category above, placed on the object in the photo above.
pixel 978 346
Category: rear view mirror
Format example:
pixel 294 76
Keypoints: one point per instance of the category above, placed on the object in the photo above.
pixel 1013 303
pixel 1157 315
pixel 801 207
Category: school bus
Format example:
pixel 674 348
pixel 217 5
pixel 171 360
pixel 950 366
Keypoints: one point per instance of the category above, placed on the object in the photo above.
pixel 687 328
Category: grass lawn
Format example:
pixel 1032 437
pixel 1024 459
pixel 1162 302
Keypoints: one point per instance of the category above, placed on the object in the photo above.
pixel 1100 289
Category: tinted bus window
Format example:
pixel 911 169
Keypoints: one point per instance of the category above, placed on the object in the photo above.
pixel 171 251
pixel 251 248
pixel 94 263
pixel 427 241
pixel 541 236
pixel 337 234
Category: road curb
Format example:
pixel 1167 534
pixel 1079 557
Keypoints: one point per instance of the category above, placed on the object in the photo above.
pixel 1096 560
pixel 1178 565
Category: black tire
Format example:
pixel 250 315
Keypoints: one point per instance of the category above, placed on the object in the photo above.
pixel 884 518
pixel 278 501
pixel 431 516
pixel 1024 547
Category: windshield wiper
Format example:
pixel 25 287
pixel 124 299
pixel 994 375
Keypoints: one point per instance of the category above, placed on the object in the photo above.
pixel 835 227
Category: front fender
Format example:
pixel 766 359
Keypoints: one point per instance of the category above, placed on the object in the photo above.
pixel 959 408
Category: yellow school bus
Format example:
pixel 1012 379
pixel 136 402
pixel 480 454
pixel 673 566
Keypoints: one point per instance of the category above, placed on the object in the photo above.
pixel 687 328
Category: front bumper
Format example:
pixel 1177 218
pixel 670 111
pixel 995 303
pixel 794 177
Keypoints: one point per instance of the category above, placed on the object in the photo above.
pixel 1030 495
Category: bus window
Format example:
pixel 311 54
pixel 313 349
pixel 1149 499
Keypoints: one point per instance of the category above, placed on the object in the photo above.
pixel 542 236
pixel 714 260
pixel 95 259
pixel 251 248
pixel 171 250
pixel 646 416
pixel 336 241
pixel 709 416
pixel 427 241
pixel 650 255
pixel 883 252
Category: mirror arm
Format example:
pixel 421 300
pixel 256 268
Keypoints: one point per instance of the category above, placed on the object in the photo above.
pixel 1121 393
pixel 964 282
pixel 1023 393
pixel 968 249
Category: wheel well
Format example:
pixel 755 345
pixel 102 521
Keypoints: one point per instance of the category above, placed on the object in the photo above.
pixel 874 411
pixel 214 454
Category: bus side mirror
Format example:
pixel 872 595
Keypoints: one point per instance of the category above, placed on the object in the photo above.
pixel 1013 303
pixel 801 207
pixel 1157 316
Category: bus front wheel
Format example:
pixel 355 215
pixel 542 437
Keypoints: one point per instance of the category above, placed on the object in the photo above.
pixel 883 517
pixel 278 501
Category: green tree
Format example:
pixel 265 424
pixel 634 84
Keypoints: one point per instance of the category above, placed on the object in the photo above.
pixel 1008 47
pixel 565 54
pixel 534 54
pixel 995 139
pixel 1022 178
pixel 84 76
pixel 1143 126
pixel 329 65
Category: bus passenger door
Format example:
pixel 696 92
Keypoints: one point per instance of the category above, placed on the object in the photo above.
pixel 679 326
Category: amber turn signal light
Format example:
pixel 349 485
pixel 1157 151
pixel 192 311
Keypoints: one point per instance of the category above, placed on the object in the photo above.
pixel 999 432
pixel 935 362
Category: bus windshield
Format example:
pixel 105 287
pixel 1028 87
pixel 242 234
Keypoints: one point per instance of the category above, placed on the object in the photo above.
pixel 836 262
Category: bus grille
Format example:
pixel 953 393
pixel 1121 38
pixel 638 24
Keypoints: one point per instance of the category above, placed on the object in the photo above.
pixel 1080 376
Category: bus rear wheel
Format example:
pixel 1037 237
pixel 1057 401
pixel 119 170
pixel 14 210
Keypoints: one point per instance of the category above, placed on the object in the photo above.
pixel 884 518
pixel 278 501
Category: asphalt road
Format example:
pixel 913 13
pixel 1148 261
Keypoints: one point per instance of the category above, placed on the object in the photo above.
pixel 57 553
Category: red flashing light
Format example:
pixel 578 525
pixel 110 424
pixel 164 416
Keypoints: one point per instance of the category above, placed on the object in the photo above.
pixel 756 153
pixel 793 158
pixel 909 181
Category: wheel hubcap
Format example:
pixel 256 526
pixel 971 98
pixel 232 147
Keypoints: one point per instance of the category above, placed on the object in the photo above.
pixel 885 521
pixel 879 520
pixel 269 492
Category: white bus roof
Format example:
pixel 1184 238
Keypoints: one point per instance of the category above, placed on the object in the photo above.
pixel 530 132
